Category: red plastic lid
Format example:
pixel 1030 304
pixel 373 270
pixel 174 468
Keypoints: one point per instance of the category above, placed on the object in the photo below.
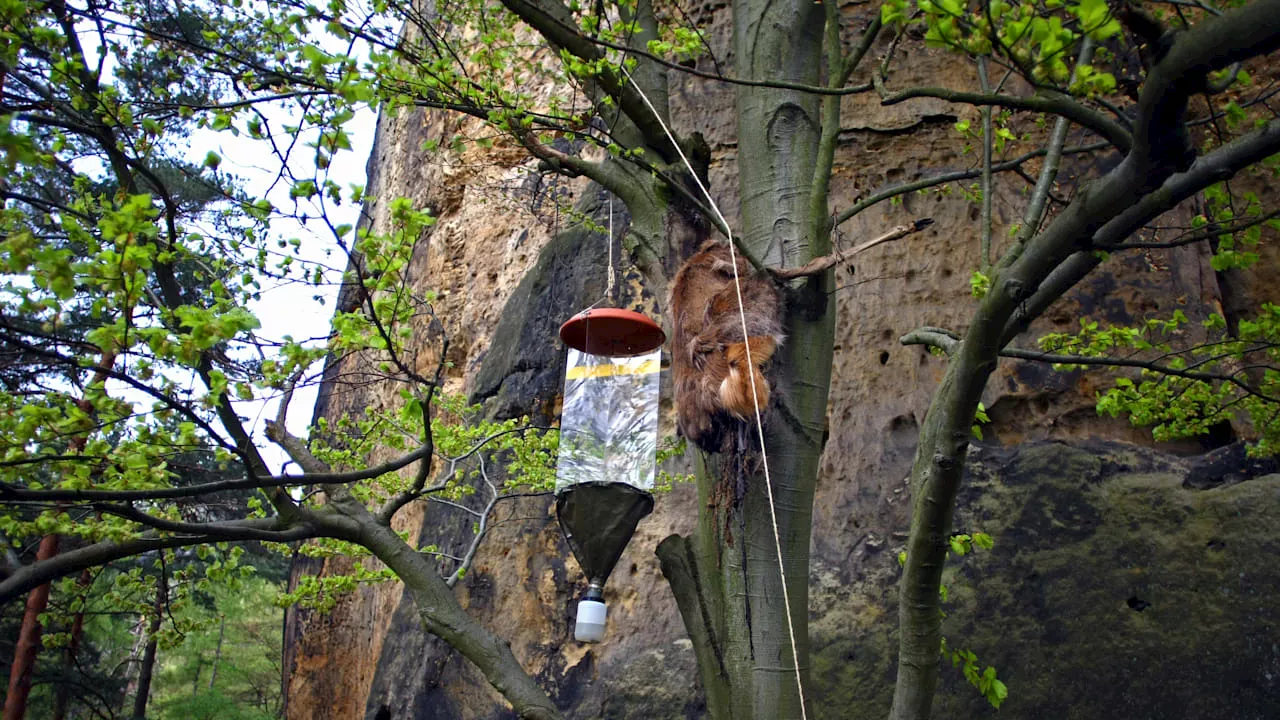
pixel 612 332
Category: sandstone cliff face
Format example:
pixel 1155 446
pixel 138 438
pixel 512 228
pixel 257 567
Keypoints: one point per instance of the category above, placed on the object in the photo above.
pixel 1108 580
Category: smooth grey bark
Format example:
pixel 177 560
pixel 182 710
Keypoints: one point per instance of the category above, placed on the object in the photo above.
pixel 778 139
pixel 727 578
pixel 1156 173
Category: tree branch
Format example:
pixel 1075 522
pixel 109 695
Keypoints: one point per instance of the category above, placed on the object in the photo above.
pixel 179 407
pixel 1046 102
pixel 987 142
pixel 553 20
pixel 10 492
pixel 934 337
pixel 31 576
pixel 1221 164
pixel 440 612
pixel 1042 190
pixel 393 505
pixel 1208 232
pixel 819 265
pixel 955 176
pixel 829 130
pixel 838 91
pixel 1208 377
pixel 296 449
pixel 212 530
pixel 679 562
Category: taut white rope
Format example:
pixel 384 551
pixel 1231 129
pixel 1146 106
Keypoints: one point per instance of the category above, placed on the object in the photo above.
pixel 612 276
pixel 755 397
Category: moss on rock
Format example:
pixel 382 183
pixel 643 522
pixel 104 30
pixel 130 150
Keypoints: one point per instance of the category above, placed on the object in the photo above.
pixel 1112 591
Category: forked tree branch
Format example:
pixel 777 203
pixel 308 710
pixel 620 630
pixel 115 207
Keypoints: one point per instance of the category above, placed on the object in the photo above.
pixel 1218 165
pixel 933 337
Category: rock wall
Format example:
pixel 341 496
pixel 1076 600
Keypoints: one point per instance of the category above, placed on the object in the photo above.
pixel 1112 590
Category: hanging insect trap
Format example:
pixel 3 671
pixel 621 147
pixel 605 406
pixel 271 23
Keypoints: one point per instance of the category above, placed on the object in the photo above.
pixel 608 442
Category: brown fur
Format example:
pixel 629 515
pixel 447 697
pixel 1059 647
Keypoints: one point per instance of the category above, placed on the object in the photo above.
pixel 712 375
pixel 737 396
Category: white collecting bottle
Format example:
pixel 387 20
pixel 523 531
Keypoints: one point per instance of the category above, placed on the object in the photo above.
pixel 592 616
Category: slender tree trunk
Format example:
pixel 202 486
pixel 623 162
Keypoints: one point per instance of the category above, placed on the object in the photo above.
pixel 15 705
pixel 149 655
pixel 62 698
pixel 24 656
pixel 139 633
pixel 217 653
pixel 1157 173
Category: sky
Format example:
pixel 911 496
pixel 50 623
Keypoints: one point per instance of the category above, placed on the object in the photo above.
pixel 285 309
pixel 292 309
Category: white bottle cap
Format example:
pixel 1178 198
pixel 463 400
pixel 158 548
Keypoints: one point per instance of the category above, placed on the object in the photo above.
pixel 591 621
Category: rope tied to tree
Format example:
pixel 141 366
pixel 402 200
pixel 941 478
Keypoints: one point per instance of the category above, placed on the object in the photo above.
pixel 755 397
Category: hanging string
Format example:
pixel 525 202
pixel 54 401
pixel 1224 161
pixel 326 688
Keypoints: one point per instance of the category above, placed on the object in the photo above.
pixel 612 278
pixel 755 397
pixel 608 290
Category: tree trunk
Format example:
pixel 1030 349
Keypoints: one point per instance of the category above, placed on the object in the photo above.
pixel 62 698
pixel 149 655
pixel 1156 174
pixel 728 579
pixel 24 656
pixel 217 653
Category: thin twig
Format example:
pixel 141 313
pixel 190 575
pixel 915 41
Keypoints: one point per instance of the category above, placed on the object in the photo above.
pixel 822 264
pixel 1042 192
pixel 1057 359
pixel 955 176
pixel 987 141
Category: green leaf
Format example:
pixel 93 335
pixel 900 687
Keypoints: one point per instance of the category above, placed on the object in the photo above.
pixel 979 284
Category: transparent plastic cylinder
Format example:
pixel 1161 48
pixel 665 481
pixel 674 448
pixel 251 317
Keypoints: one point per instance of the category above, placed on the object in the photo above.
pixel 609 424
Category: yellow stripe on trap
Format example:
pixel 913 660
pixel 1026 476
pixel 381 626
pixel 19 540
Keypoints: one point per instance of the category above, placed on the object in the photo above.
pixel 585 371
